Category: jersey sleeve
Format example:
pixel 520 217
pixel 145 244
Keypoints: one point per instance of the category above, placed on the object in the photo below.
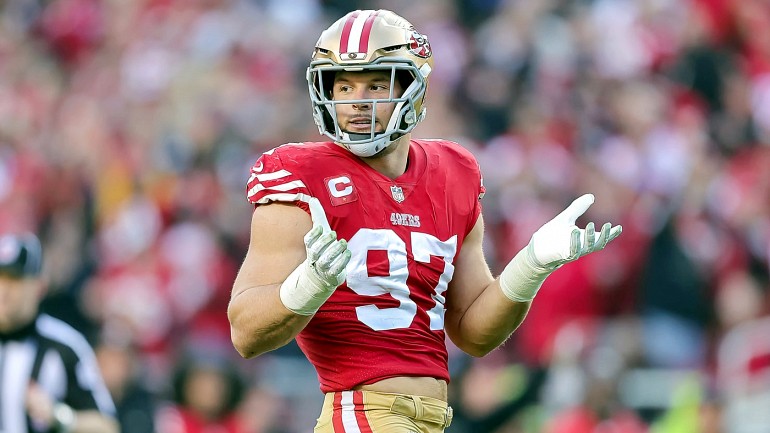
pixel 272 180
pixel 473 181
pixel 478 193
pixel 482 190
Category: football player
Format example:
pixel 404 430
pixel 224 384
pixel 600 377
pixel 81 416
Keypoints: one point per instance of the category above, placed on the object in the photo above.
pixel 367 247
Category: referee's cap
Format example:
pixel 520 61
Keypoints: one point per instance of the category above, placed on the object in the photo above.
pixel 21 255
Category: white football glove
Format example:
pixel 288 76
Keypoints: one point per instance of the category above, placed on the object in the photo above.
pixel 324 269
pixel 557 242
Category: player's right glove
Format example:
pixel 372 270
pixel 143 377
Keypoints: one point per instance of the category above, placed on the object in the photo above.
pixel 557 242
pixel 324 269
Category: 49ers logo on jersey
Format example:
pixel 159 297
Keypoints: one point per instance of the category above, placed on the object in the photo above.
pixel 341 189
pixel 419 45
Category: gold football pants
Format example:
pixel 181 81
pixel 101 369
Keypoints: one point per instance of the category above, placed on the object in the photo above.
pixel 377 412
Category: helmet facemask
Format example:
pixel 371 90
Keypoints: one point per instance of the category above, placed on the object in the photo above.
pixel 404 118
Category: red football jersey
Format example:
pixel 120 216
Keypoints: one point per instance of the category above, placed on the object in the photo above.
pixel 404 234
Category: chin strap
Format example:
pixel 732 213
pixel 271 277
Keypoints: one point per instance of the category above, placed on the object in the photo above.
pixel 379 140
pixel 352 136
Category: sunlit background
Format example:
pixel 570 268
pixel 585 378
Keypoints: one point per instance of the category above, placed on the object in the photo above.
pixel 127 130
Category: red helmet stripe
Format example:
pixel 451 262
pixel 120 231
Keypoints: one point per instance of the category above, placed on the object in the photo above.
pixel 364 45
pixel 346 32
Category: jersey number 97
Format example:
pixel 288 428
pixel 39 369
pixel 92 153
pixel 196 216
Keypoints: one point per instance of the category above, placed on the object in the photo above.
pixel 423 247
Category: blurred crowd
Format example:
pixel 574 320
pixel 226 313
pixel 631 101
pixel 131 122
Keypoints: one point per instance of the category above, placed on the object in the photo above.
pixel 127 129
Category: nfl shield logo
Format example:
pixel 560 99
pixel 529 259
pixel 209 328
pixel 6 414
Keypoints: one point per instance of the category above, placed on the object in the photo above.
pixel 397 192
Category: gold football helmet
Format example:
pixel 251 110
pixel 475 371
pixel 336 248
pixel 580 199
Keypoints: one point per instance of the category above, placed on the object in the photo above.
pixel 367 40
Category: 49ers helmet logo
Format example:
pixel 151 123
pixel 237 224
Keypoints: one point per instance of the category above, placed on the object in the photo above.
pixel 419 45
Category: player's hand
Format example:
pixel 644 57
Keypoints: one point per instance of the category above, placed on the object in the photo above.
pixel 560 241
pixel 324 269
pixel 327 257
pixel 555 243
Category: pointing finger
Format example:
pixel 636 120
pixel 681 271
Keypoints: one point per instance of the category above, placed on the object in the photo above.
pixel 576 208
pixel 318 215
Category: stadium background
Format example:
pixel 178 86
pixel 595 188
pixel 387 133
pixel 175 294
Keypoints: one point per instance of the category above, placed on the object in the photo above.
pixel 127 129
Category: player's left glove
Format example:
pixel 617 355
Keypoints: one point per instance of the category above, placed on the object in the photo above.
pixel 557 242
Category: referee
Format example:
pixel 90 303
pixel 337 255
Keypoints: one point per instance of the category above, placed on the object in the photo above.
pixel 49 379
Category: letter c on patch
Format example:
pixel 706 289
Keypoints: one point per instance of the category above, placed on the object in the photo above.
pixel 340 186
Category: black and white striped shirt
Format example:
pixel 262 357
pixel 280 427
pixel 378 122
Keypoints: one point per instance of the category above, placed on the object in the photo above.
pixel 57 357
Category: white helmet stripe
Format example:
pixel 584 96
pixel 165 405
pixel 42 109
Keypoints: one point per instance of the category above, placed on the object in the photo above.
pixel 367 32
